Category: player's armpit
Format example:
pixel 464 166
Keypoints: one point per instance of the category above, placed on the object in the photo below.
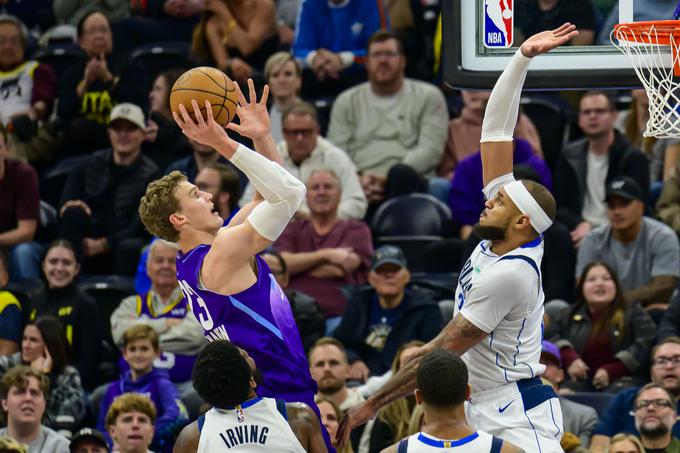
pixel 509 448
pixel 233 248
pixel 390 449
pixel 459 335
pixel 187 442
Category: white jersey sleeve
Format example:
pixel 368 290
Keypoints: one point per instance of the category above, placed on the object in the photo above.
pixel 500 294
pixel 495 185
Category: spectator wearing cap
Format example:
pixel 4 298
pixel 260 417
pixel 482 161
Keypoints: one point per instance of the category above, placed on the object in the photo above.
pixel 577 419
pixel 604 339
pixel 325 252
pixel 88 440
pixel 643 252
pixel 588 165
pixel 383 316
pixel 101 196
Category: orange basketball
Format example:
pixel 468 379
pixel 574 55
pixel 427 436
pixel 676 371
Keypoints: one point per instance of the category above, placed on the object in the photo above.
pixel 205 84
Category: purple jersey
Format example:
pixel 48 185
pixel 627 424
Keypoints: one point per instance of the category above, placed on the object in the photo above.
pixel 258 319
pixel 179 366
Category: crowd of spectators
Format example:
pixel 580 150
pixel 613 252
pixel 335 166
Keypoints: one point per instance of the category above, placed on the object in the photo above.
pixel 94 331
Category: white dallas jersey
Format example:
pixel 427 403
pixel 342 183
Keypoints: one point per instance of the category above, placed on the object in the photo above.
pixel 503 296
pixel 478 442
pixel 259 425
pixel 16 90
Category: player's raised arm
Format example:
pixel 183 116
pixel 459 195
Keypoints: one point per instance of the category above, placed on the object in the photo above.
pixel 502 108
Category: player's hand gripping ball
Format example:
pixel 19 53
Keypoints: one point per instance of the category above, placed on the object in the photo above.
pixel 205 84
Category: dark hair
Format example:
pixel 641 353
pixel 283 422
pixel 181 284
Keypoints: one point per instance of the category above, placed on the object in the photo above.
pixel 279 257
pixel 18 377
pixel 670 340
pixel 382 36
pixel 615 313
pixel 221 375
pixel 4 259
pixel 61 243
pixel 229 182
pixel 611 104
pixel 53 335
pixel 442 378
pixel 81 22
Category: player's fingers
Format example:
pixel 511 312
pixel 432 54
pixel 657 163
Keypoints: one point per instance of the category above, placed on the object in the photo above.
pixel 265 95
pixel 235 127
pixel 197 113
pixel 561 28
pixel 186 119
pixel 252 96
pixel 239 95
pixel 564 30
pixel 209 118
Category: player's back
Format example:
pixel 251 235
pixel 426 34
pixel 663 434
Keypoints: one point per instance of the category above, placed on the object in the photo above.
pixel 477 442
pixel 258 426
pixel 258 319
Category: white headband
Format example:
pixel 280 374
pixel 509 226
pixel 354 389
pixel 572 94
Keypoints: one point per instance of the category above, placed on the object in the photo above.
pixel 526 203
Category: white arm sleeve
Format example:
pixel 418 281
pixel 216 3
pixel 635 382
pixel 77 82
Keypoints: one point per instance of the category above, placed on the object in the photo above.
pixel 495 185
pixel 502 109
pixel 282 192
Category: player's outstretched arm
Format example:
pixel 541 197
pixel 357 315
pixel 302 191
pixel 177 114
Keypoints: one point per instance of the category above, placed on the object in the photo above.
pixel 502 108
pixel 458 336
pixel 187 441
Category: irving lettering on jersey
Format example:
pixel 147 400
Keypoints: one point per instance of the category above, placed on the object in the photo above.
pixel 246 434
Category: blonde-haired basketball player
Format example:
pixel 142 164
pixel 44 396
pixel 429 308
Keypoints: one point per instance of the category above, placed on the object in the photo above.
pixel 497 323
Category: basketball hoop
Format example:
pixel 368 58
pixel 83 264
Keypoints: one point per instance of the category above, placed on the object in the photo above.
pixel 648 45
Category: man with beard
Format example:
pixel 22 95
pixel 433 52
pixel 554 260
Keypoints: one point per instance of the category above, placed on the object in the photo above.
pixel 329 368
pixel 655 415
pixel 226 377
pixel 618 417
pixel 498 317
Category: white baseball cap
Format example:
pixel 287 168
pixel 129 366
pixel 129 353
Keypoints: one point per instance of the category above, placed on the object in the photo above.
pixel 130 112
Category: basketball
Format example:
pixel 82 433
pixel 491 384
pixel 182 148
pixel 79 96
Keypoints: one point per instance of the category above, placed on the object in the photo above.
pixel 205 84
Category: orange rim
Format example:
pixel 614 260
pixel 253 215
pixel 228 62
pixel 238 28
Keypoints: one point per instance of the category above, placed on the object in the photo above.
pixel 640 31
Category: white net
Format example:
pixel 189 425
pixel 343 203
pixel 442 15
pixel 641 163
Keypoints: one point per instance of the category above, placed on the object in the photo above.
pixel 654 54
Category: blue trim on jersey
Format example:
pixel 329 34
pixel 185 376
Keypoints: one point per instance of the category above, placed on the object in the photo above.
pixel 403 446
pixel 257 317
pixel 526 259
pixel 519 342
pixel 536 242
pixel 481 245
pixel 247 404
pixel 447 443
pixel 281 407
pixel 200 422
pixel 496 445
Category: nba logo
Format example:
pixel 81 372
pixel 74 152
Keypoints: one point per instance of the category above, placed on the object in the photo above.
pixel 498 23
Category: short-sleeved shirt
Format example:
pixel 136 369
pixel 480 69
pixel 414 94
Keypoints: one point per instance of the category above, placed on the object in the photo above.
pixel 654 252
pixel 20 198
pixel 300 237
pixel 11 323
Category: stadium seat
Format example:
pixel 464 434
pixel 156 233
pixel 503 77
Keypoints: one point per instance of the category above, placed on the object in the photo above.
pixel 59 57
pixel 107 291
pixel 54 179
pixel 26 290
pixel 551 121
pixel 597 400
pixel 444 256
pixel 157 58
pixel 414 215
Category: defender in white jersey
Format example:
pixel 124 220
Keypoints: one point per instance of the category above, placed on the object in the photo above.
pixel 240 421
pixel 442 379
pixel 497 324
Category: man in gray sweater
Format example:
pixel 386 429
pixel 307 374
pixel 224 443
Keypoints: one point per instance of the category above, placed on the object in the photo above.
pixel 24 397
pixel 389 119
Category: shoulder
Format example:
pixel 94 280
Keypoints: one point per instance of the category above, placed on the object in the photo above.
pixel 21 169
pixel 423 88
pixel 355 93
pixel 53 436
pixel 578 409
pixel 575 149
pixel 8 299
pixel 187 441
pixel 354 224
pixel 659 231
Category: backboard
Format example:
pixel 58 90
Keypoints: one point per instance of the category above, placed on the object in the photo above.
pixel 480 36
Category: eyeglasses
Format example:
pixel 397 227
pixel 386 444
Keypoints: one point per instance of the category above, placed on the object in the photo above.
pixel 597 112
pixel 644 404
pixel 663 361
pixel 305 133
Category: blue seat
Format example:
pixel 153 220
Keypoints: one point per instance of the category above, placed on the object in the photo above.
pixel 597 400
